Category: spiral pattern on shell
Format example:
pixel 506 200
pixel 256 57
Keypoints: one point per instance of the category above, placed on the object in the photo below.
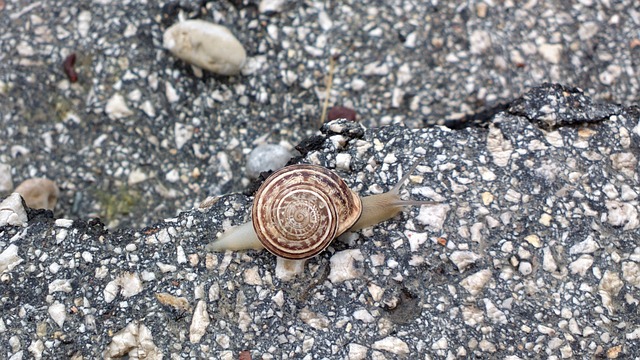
pixel 300 209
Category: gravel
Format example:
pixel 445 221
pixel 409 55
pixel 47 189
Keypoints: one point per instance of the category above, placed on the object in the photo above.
pixel 531 251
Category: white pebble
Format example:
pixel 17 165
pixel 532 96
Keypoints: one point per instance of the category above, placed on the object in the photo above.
pixel 199 322
pixel 393 345
pixel 12 212
pixel 267 6
pixel 60 285
pixel 476 282
pixel 462 259
pixel 551 52
pixel 182 133
pixel 58 313
pixel 209 46
pixel 581 265
pixel 117 108
pixel 343 161
pixel 266 157
pixel 9 258
pixel 343 265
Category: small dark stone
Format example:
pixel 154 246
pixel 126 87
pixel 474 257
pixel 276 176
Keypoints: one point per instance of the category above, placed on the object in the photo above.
pixel 310 144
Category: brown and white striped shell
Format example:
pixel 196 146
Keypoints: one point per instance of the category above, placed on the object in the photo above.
pixel 300 209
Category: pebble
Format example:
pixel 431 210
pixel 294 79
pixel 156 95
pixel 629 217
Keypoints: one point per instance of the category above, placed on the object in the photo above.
pixel 393 345
pixel 133 340
pixel 271 6
pixel 433 216
pixel 357 352
pixel 581 265
pixel 588 246
pixel 117 108
pixel 209 46
pixel 6 183
pixel 551 52
pixel 476 282
pixel 199 322
pixel 266 157
pixel 462 259
pixel 183 133
pixel 631 273
pixel 9 258
pixel 609 287
pixel 60 285
pixel 12 212
pixel 622 214
pixel 39 193
pixel 343 266
pixel 58 313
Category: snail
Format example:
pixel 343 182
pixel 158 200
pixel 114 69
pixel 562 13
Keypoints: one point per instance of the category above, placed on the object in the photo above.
pixel 300 209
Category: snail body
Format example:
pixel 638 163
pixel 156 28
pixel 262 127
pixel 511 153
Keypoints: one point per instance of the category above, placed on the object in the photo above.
pixel 300 209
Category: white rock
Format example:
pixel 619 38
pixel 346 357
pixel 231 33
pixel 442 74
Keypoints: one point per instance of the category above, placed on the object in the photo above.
pixel 631 273
pixel 130 284
pixel 136 176
pixel 36 348
pixel 480 41
pixel 622 214
pixel 462 259
pixel 588 246
pixel 39 193
pixel 58 313
pixel 493 313
pixel 393 345
pixel 363 315
pixel 266 157
pixel 525 268
pixel 84 23
pixel 433 216
pixel 63 285
pixel 171 93
pixel 287 270
pixel 267 6
pixel 609 287
pixel 252 276
pixel 6 183
pixel 199 322
pixel 357 352
pixel 182 133
pixel 551 52
pixel 315 320
pixel 133 341
pixel 209 46
pixel 499 147
pixel 343 161
pixel 476 282
pixel 9 258
pixel 548 262
pixel 440 344
pixel 12 212
pixel 375 291
pixel 117 108
pixel 581 265
pixel 343 265
pixel 110 291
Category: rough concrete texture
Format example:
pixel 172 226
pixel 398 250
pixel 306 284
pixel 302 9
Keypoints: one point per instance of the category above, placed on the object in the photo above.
pixel 532 250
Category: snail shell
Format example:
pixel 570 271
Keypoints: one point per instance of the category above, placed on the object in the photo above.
pixel 300 209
